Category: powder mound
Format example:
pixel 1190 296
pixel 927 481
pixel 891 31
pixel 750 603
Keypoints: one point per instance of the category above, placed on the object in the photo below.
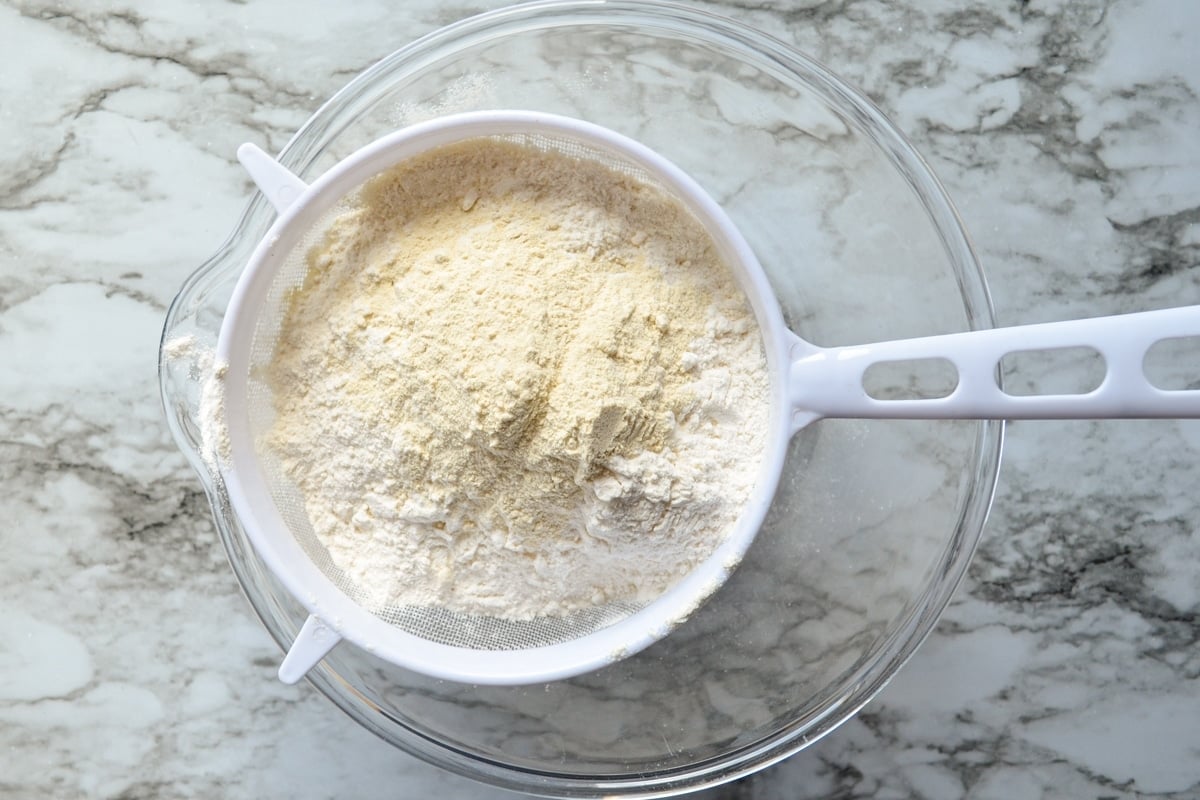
pixel 517 384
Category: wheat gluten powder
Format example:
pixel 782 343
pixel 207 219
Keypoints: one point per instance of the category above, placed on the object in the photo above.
pixel 515 383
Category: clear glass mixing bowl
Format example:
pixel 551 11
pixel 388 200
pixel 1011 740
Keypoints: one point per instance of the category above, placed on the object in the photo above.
pixel 874 523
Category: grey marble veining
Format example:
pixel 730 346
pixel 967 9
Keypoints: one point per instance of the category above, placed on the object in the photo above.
pixel 131 667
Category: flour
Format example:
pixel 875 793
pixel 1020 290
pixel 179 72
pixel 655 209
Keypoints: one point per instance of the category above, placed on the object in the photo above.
pixel 214 431
pixel 517 384
pixel 210 371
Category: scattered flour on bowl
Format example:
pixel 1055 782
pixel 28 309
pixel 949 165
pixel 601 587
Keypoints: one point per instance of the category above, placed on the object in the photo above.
pixel 517 384
pixel 210 372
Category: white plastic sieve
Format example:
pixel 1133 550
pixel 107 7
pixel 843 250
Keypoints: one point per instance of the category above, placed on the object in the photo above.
pixel 807 383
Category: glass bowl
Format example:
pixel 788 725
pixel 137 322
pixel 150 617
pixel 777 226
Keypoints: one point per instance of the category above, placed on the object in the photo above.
pixel 874 522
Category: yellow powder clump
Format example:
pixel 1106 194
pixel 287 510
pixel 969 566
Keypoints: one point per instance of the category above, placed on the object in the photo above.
pixel 488 384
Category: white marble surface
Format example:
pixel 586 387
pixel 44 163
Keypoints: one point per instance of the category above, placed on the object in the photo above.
pixel 131 667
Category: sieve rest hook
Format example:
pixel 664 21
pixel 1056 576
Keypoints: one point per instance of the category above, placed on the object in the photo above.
pixel 279 185
pixel 312 643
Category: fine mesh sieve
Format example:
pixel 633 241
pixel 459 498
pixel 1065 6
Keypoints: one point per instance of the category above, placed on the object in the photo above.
pixel 434 640
pixel 807 383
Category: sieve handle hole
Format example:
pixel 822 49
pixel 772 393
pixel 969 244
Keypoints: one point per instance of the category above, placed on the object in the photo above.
pixel 1059 370
pixel 1173 364
pixel 911 379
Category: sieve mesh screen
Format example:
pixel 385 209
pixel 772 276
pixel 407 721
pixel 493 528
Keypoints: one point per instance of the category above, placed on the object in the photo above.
pixel 430 623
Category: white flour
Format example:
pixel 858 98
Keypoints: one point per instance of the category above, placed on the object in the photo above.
pixel 214 435
pixel 516 384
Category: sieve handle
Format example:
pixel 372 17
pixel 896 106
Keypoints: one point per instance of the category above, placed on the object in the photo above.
pixel 312 643
pixel 828 382
pixel 273 179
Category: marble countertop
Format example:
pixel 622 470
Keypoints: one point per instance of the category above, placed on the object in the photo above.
pixel 131 667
